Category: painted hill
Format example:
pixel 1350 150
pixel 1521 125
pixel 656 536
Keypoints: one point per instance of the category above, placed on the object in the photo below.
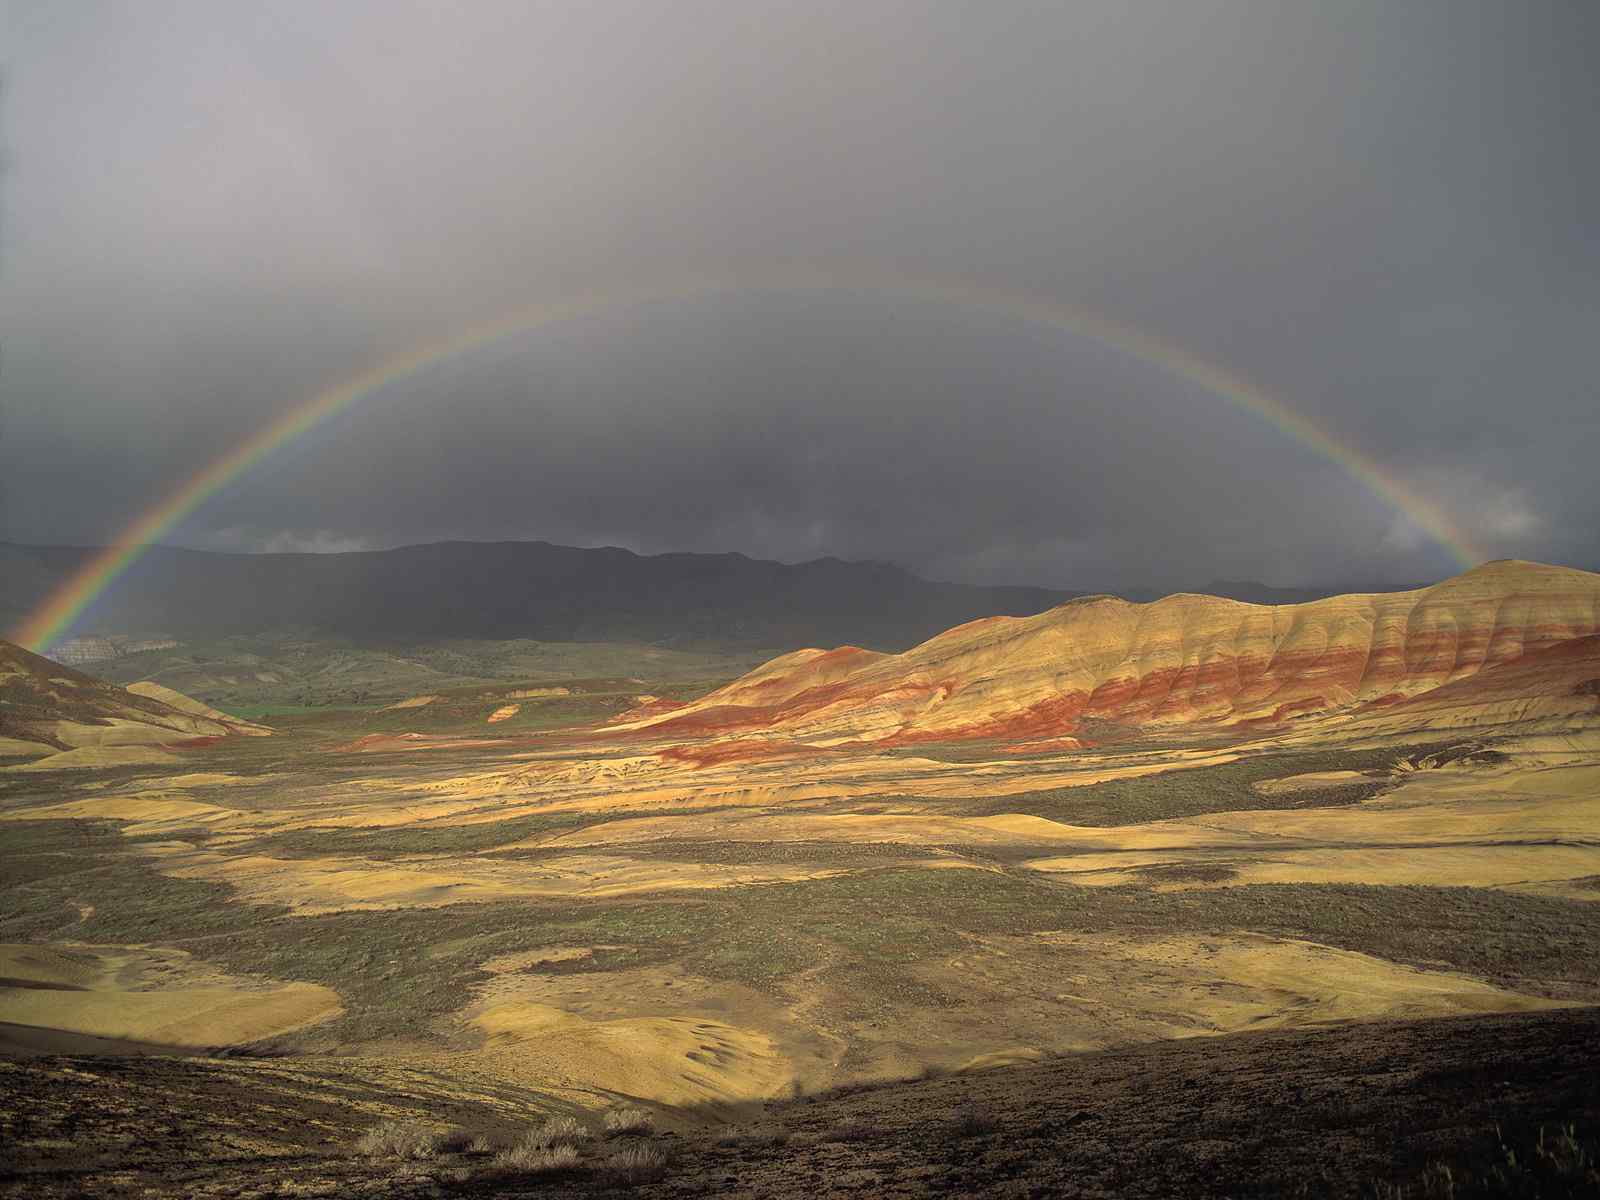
pixel 518 589
pixel 71 719
pixel 1181 660
pixel 1548 687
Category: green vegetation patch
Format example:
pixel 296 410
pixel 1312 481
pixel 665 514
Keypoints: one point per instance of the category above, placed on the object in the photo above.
pixel 1224 787
pixel 385 842
pixel 74 881
pixel 893 917
pixel 41 849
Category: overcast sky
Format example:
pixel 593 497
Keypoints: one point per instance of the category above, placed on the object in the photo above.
pixel 1383 214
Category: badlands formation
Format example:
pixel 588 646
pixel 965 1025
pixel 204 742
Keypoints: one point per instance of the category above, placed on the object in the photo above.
pixel 1103 825
pixel 1183 660
pixel 55 716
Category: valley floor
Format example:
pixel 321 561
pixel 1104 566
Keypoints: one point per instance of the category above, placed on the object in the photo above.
pixel 1155 967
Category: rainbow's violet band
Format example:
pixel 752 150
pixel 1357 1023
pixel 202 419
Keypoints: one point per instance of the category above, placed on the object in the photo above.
pixel 54 617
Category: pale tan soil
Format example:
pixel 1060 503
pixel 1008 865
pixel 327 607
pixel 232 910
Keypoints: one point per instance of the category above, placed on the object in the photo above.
pixel 1309 781
pixel 33 1041
pixel 1226 983
pixel 50 966
pixel 308 886
pixel 144 812
pixel 1056 991
pixel 504 713
pixel 679 1061
pixel 911 829
pixel 189 704
pixel 411 702
pixel 150 995
pixel 524 960
pixel 1530 827
pixel 100 755
pixel 113 731
pixel 1544 870
pixel 205 779
pixel 780 1045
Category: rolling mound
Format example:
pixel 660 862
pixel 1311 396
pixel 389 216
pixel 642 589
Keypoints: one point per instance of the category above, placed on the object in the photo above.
pixel 1183 660
pixel 47 709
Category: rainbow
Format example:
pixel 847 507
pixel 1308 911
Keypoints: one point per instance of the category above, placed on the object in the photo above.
pixel 57 613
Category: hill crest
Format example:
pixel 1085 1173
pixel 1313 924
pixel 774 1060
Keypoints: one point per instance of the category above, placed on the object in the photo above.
pixel 1181 660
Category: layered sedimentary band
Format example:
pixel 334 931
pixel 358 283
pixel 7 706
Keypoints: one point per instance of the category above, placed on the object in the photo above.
pixel 1181 660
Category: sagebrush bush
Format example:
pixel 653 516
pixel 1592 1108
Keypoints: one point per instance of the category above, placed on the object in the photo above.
pixel 637 1163
pixel 555 1131
pixel 398 1139
pixel 628 1120
pixel 523 1159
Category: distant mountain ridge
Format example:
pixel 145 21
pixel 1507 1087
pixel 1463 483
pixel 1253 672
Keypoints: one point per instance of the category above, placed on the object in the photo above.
pixel 517 589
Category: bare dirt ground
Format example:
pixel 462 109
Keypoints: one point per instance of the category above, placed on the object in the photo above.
pixel 1367 1110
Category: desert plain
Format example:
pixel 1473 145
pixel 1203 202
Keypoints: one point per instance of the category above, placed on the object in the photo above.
pixel 1156 845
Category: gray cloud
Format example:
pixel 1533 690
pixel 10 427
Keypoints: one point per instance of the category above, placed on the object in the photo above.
pixel 1381 214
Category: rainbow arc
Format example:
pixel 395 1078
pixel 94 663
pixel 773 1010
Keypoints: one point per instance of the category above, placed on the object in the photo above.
pixel 55 615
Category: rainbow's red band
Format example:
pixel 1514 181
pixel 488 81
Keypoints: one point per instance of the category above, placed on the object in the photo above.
pixel 54 617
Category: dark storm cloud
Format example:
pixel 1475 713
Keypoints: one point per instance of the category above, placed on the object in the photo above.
pixel 1380 213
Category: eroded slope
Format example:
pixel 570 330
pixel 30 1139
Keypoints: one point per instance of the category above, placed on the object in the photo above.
pixel 49 709
pixel 1182 660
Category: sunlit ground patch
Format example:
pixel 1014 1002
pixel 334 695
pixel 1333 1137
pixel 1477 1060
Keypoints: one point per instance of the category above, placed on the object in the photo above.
pixel 143 994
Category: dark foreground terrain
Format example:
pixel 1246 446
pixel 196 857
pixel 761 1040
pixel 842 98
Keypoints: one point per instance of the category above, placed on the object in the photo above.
pixel 1482 1106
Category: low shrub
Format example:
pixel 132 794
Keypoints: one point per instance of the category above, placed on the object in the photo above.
pixel 398 1139
pixel 628 1120
pixel 638 1163
pixel 523 1159
pixel 556 1131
